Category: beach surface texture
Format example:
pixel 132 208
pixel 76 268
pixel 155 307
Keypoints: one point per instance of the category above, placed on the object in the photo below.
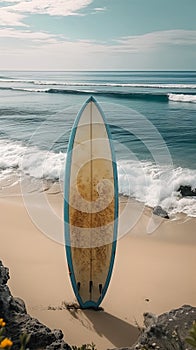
pixel 152 272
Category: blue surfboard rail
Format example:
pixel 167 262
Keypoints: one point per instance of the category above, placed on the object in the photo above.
pixel 89 303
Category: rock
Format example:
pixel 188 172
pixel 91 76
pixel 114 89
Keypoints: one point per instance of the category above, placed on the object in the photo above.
pixel 58 346
pixel 187 191
pixel 4 274
pixel 18 322
pixel 167 331
pixel 5 296
pixel 18 305
pixel 160 212
pixel 149 319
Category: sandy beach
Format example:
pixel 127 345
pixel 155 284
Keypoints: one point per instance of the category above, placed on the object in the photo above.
pixel 152 272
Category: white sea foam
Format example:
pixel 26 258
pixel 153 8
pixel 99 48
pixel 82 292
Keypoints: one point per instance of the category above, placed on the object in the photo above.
pixel 139 85
pixel 158 86
pixel 171 97
pixel 40 164
pixel 29 90
pixel 157 185
pixel 144 181
pixel 2 80
pixel 71 83
pixel 10 154
pixel 182 98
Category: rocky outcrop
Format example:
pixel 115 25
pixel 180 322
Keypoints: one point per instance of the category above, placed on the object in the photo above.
pixel 187 191
pixel 160 212
pixel 167 331
pixel 18 322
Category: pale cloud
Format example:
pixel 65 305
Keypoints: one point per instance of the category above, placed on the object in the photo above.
pixel 97 10
pixel 154 40
pixel 41 50
pixel 48 53
pixel 10 1
pixel 10 18
pixel 131 44
pixel 27 34
pixel 12 15
pixel 51 7
pixel 100 9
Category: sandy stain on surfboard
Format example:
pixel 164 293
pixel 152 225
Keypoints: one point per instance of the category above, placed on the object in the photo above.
pixel 92 209
pixel 92 232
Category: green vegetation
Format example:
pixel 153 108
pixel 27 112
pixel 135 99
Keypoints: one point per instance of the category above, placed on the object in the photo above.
pixel 191 339
pixel 6 343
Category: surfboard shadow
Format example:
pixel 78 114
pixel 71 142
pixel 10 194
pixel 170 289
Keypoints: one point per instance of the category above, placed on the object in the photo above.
pixel 117 331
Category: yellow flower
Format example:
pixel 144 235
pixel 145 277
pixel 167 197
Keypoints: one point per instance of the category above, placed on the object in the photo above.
pixel 6 343
pixel 2 323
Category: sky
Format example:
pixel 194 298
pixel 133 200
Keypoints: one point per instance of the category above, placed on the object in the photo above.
pixel 98 35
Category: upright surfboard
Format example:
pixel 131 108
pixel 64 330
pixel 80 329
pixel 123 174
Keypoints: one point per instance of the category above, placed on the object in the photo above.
pixel 90 205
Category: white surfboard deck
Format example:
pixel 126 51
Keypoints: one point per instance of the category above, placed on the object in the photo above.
pixel 91 206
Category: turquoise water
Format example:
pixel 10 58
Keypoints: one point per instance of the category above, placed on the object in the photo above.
pixel 152 116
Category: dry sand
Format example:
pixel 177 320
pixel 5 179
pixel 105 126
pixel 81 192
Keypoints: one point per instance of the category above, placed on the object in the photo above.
pixel 153 272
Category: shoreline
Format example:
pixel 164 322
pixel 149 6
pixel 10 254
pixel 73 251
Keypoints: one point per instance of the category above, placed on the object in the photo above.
pixel 152 272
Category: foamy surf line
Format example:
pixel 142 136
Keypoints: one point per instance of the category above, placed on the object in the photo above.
pixel 70 83
pixel 182 98
pixel 144 181
pixel 190 98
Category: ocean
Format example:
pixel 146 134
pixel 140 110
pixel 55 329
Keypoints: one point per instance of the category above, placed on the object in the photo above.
pixel 152 116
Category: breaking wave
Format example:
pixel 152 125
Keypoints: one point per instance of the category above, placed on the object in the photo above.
pixel 70 83
pixel 182 98
pixel 149 96
pixel 145 181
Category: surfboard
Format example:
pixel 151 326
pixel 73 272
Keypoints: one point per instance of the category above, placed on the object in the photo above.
pixel 90 205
